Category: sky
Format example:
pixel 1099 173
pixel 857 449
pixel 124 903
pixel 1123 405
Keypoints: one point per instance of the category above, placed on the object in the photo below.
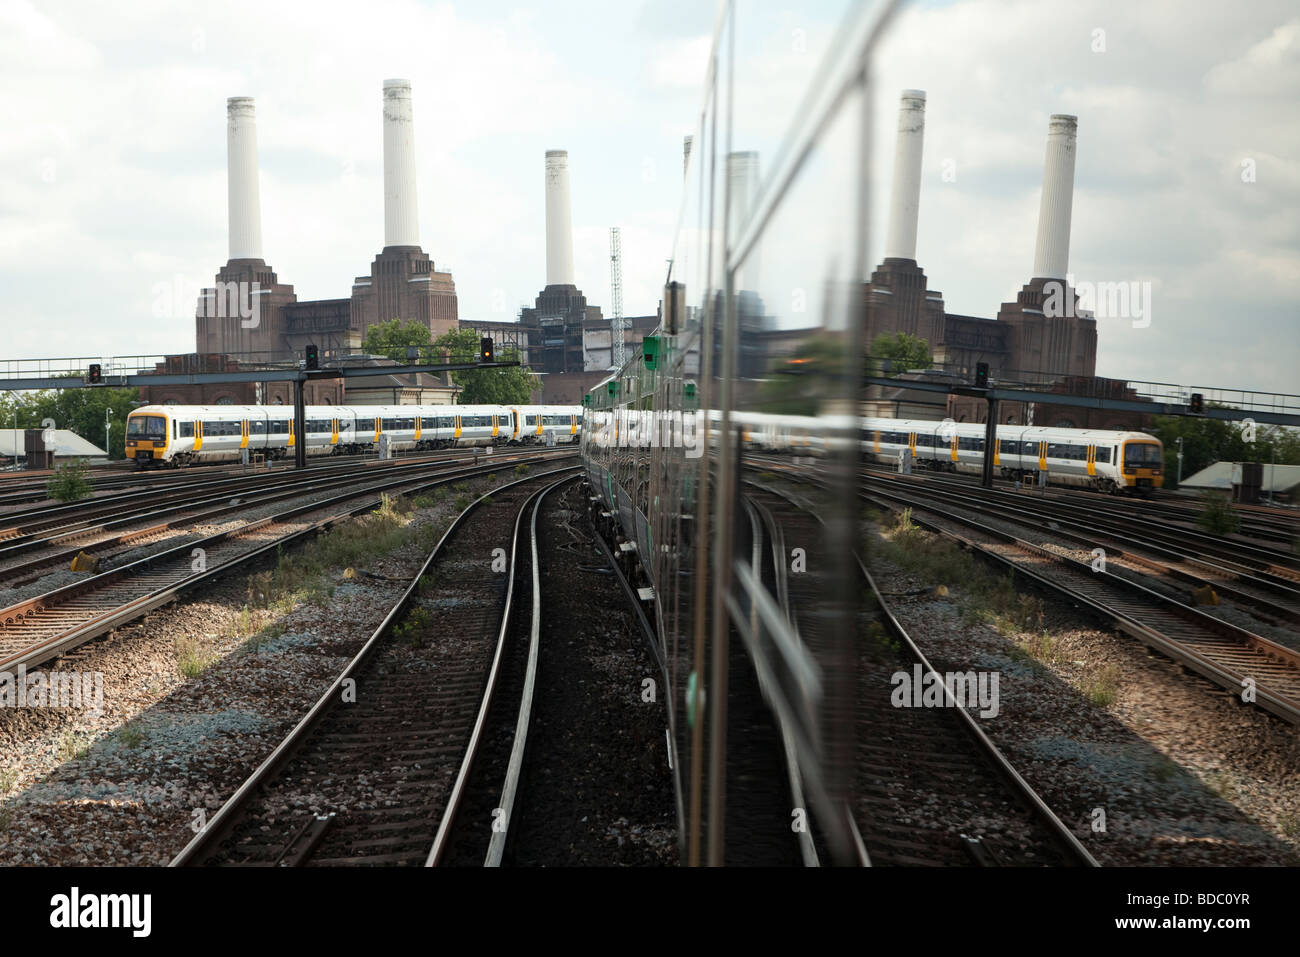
pixel 113 187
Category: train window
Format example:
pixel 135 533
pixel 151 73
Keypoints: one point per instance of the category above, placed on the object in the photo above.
pixel 366 425
pixel 280 427
pixel 257 426
pixel 1103 453
pixel 187 430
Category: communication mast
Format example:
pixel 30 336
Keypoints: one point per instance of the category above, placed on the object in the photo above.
pixel 618 355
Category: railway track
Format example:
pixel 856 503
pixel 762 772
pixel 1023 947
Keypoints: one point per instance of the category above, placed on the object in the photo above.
pixel 38 629
pixel 21 523
pixel 929 787
pixel 1229 656
pixel 377 778
pixel 1277 526
pixel 60 543
pixel 1270 593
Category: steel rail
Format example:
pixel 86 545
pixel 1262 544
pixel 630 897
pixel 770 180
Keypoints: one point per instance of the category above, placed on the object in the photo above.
pixel 1063 835
pixel 215 830
pixel 53 646
pixel 442 840
pixel 510 788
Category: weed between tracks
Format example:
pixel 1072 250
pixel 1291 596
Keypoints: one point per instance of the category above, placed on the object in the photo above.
pixel 993 600
pixel 310 575
pixel 131 735
pixel 72 745
pixel 192 658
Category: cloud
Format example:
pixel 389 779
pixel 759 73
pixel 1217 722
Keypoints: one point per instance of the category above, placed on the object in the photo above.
pixel 112 169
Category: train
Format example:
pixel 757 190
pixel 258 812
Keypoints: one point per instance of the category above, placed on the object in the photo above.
pixel 181 435
pixel 1104 460
pixel 761 309
pixel 1107 461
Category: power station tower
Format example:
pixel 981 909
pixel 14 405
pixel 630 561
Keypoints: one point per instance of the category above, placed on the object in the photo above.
pixel 619 353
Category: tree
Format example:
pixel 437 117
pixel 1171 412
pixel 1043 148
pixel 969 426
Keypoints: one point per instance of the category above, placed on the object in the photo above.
pixel 393 337
pixel 904 352
pixel 511 386
pixel 1206 441
pixel 82 411
pixel 799 385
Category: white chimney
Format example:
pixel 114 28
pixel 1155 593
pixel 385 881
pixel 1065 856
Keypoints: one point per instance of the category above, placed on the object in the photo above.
pixel 243 200
pixel 401 210
pixel 686 153
pixel 559 221
pixel 742 176
pixel 742 187
pixel 905 200
pixel 1052 251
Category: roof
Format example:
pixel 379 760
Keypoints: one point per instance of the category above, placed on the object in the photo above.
pixel 65 443
pixel 1276 478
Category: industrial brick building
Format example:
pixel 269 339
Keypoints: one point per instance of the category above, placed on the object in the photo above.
pixel 1024 343
pixel 403 281
pixel 250 319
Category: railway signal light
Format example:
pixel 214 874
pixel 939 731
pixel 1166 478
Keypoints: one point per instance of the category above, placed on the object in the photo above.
pixel 95 374
pixel 981 375
pixel 485 349
pixel 1198 403
pixel 313 357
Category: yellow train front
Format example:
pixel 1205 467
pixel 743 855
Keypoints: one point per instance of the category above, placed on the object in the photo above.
pixel 1105 460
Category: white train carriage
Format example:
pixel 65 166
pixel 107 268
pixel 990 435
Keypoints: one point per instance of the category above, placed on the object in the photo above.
pixel 182 435
pixel 1090 458
pixel 530 424
pixel 179 435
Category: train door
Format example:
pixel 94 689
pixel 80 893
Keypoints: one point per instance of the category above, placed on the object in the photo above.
pixel 456 426
pixel 334 431
pixel 1092 460
pixel 198 434
pixel 1042 456
pixel 243 434
pixel 419 427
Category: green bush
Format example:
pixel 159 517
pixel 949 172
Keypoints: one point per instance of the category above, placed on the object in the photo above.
pixel 1218 518
pixel 68 484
